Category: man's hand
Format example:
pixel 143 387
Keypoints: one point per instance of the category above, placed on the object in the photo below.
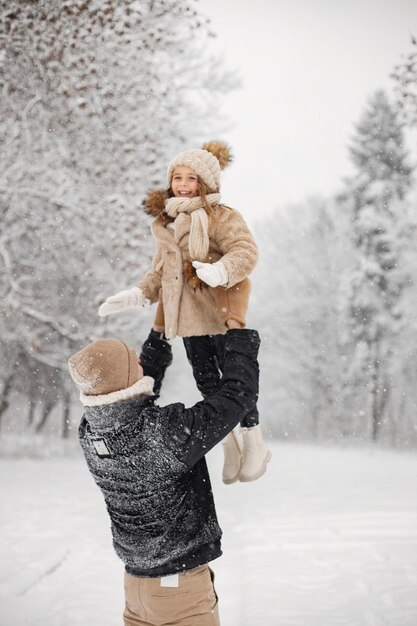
pixel 214 274
pixel 127 299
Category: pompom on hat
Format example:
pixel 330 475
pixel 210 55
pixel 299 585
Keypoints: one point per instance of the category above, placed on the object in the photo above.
pixel 206 161
pixel 104 366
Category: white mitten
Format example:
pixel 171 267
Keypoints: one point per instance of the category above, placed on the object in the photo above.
pixel 214 274
pixel 126 299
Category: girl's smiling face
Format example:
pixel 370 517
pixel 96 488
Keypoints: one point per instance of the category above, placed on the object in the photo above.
pixel 184 182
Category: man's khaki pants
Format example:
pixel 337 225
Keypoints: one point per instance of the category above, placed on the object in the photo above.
pixel 192 603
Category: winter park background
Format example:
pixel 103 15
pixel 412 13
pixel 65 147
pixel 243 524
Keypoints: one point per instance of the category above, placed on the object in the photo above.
pixel 96 97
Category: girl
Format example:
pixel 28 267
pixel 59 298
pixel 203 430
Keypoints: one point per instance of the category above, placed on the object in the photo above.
pixel 199 277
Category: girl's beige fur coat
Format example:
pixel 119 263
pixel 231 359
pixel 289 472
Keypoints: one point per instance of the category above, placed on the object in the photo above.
pixel 187 311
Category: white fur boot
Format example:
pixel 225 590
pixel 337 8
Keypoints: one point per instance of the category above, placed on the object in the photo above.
pixel 232 458
pixel 255 454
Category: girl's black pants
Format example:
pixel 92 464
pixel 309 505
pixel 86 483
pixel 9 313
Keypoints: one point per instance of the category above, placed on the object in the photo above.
pixel 206 356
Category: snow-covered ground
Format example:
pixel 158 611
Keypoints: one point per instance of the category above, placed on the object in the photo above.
pixel 328 537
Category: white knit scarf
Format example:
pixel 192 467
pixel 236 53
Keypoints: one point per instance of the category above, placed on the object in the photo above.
pixel 198 242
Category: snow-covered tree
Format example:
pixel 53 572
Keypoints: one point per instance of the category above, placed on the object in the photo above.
pixel 405 78
pixel 95 97
pixel 296 288
pixel 375 201
pixel 334 298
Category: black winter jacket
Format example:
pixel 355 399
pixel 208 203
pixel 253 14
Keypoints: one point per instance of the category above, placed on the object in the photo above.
pixel 149 463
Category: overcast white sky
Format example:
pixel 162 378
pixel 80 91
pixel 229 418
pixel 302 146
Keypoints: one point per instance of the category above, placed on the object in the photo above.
pixel 308 67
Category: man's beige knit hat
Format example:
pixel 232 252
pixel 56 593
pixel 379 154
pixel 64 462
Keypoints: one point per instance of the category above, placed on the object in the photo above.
pixel 206 161
pixel 104 366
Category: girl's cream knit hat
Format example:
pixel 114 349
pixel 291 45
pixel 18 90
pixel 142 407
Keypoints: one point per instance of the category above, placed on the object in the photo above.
pixel 206 161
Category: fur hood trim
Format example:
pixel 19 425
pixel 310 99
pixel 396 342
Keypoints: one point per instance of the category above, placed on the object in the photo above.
pixel 142 387
pixel 155 202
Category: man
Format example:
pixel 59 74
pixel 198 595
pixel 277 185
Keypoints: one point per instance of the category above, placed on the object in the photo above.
pixel 149 463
